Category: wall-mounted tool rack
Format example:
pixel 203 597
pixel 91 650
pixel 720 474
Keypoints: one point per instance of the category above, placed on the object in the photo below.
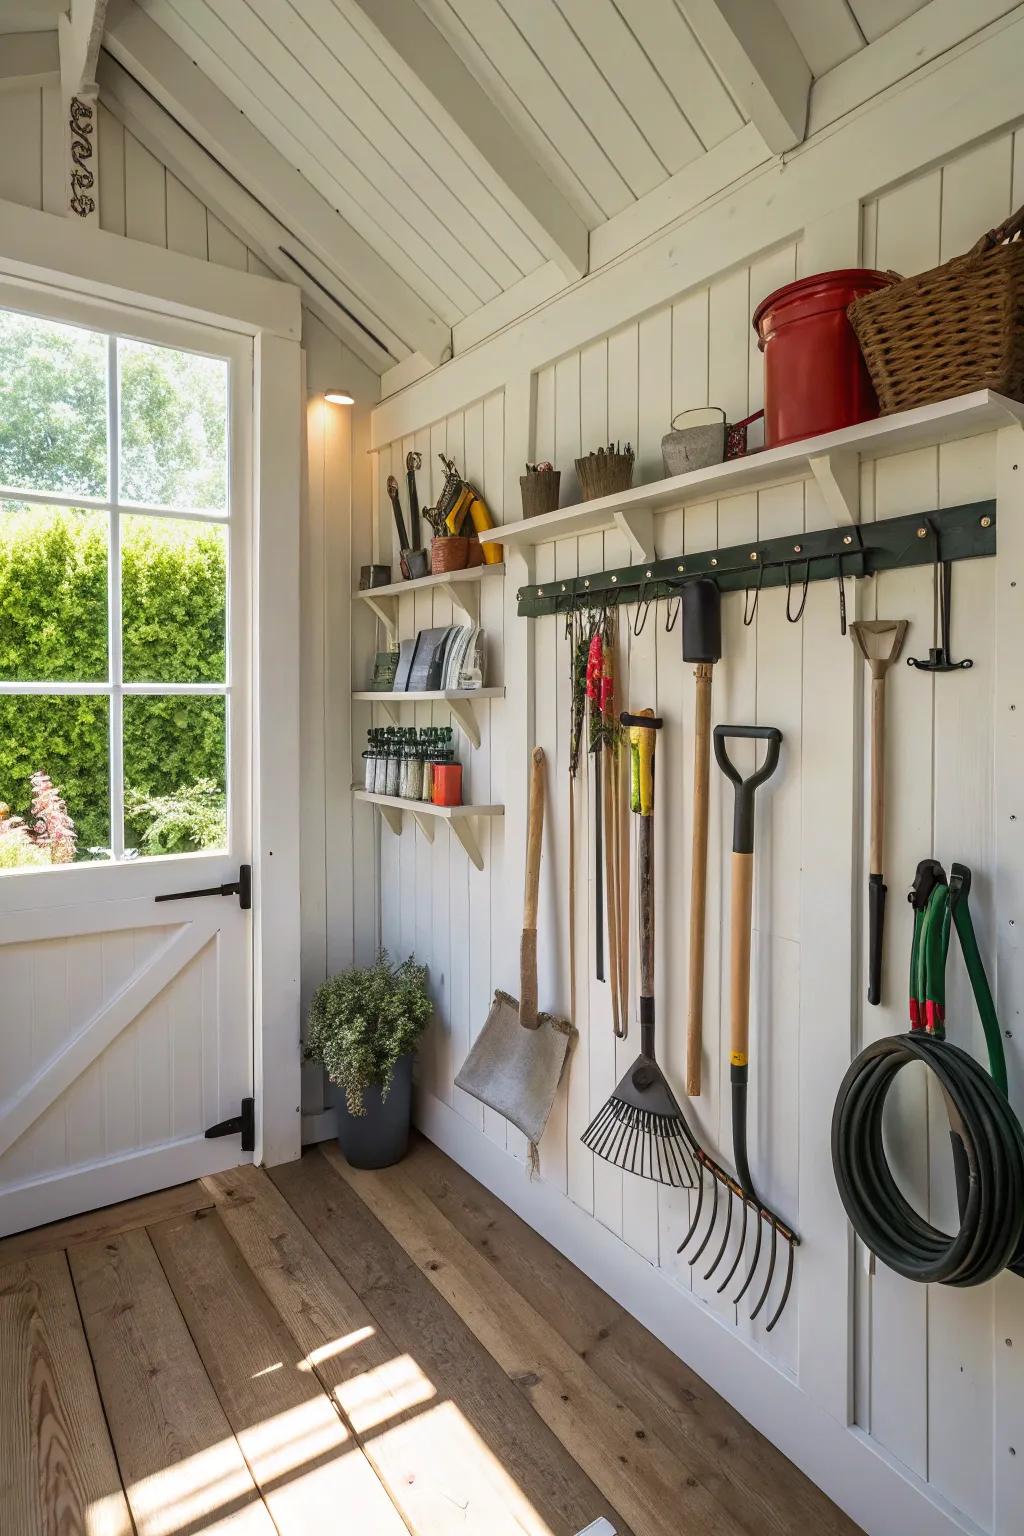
pixel 861 549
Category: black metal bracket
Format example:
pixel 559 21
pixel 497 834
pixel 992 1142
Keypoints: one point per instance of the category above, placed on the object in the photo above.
pixel 964 533
pixel 243 1125
pixel 242 888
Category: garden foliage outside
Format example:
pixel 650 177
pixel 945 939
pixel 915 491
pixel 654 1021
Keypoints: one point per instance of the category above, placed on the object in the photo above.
pixel 53 594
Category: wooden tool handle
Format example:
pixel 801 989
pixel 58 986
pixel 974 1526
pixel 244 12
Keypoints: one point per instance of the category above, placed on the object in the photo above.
pixel 534 838
pixel 877 773
pixel 645 894
pixel 698 877
pixel 643 726
pixel 739 966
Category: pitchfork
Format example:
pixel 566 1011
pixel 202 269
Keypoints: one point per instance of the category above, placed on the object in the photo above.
pixel 742 1186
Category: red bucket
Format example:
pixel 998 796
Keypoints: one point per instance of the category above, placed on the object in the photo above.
pixel 814 375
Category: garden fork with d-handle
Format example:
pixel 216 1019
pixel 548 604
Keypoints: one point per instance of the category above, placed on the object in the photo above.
pixel 742 1186
pixel 861 631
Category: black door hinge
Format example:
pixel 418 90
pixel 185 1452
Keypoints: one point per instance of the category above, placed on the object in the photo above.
pixel 243 1125
pixel 242 888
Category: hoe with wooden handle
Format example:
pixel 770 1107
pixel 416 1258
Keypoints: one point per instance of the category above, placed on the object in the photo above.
pixel 879 665
pixel 702 644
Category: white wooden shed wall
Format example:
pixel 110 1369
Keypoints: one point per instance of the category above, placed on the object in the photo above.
pixel 904 1403
pixel 922 1405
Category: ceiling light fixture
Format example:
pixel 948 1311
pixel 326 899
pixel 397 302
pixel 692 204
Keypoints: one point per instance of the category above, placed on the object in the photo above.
pixel 339 397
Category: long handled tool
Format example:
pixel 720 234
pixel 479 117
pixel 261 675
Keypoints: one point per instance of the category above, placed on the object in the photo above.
pixel 641 1128
pixel 742 1186
pixel 516 1061
pixel 862 631
pixel 413 461
pixel 595 675
pixel 702 645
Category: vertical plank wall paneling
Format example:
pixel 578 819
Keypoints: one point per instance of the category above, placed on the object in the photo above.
pixel 923 1372
pixel 140 198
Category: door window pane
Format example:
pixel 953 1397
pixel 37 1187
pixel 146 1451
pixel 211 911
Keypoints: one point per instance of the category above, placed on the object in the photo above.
pixel 175 773
pixel 54 780
pixel 173 600
pixel 173 428
pixel 53 406
pixel 53 594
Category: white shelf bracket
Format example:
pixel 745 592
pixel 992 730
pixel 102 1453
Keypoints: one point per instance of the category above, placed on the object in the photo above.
pixel 464 595
pixel 838 477
pixel 389 710
pixel 426 824
pixel 638 526
pixel 464 711
pixel 462 826
pixel 386 609
pixel 393 817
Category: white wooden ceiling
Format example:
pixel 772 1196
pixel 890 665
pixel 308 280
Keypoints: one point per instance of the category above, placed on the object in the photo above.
pixel 418 160
pixel 829 31
pixel 612 96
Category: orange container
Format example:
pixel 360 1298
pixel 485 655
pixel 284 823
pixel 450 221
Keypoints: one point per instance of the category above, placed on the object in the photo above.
pixel 447 783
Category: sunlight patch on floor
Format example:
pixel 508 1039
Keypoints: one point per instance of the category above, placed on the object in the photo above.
pixel 336 1347
pixel 385 1392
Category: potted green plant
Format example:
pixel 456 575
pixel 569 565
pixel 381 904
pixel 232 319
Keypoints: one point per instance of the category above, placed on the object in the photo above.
pixel 363 1026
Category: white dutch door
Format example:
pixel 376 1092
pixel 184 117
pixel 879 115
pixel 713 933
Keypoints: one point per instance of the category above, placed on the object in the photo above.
pixel 125 748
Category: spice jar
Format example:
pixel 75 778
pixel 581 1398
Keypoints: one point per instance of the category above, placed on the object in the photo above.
pixel 413 772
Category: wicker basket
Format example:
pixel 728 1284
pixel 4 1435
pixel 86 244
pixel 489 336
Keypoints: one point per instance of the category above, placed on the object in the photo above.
pixel 540 491
pixel 605 473
pixel 946 332
pixel 451 554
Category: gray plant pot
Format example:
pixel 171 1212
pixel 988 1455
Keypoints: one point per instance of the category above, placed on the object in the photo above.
pixel 381 1136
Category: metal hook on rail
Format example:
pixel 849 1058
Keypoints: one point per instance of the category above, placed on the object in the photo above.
pixel 748 617
pixel 794 618
pixel 672 617
pixel 640 620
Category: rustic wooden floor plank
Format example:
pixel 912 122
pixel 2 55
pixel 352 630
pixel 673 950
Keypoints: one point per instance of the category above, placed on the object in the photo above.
pixel 439 1474
pixel 183 1471
pixel 747 1473
pixel 94 1226
pixel 420 1323
pixel 57 1468
pixel 656 1491
pixel 307 1466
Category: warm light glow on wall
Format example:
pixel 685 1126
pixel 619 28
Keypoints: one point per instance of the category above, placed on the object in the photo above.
pixel 338 397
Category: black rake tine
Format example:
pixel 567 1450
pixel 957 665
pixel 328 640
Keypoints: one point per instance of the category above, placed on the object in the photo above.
pixel 696 1219
pixel 678 1149
pixel 725 1239
pixel 753 1268
pixel 785 1290
pixel 711 1227
pixel 771 1271
pixel 739 1250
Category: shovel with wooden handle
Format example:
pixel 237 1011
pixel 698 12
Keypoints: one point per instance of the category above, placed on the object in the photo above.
pixel 862 631
pixel 515 1064
pixel 702 644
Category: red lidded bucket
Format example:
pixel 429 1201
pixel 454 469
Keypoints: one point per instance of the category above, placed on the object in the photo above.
pixel 814 375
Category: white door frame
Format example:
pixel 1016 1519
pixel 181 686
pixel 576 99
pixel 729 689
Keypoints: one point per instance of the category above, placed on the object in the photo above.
pixel 64 257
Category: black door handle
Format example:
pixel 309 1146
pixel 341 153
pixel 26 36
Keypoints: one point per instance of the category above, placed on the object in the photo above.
pixel 242 888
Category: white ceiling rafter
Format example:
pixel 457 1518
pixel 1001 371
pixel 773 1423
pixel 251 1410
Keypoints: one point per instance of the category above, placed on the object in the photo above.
pixel 758 58
pixel 80 32
pixel 324 294
pixel 383 299
pixel 428 60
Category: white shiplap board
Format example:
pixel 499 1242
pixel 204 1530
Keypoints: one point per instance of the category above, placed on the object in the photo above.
pixel 927 1382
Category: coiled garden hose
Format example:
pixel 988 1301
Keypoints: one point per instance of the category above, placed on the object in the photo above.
pixel 986 1137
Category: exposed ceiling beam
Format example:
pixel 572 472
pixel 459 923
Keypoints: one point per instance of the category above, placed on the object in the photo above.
pixel 322 291
pixel 757 56
pixel 80 32
pixel 384 299
pixel 29 60
pixel 545 213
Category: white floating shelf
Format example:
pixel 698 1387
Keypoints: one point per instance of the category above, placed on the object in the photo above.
pixel 832 459
pixel 459 700
pixel 462 588
pixel 459 817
